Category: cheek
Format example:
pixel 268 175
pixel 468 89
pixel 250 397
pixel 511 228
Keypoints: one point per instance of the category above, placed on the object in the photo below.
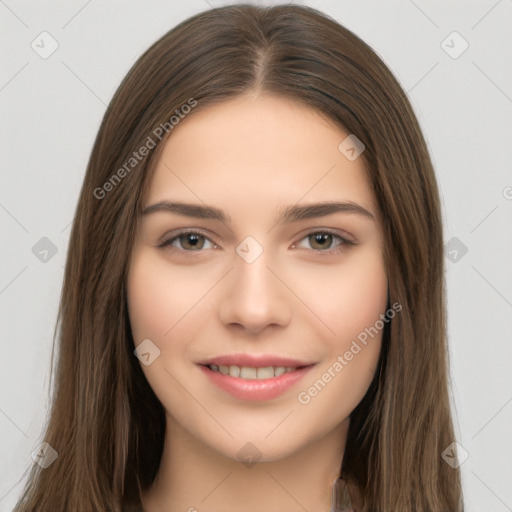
pixel 361 302
pixel 163 300
pixel 164 307
pixel 362 295
pixel 352 309
pixel 347 298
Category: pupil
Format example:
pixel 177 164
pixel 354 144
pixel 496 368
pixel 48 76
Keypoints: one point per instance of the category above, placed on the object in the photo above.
pixel 192 239
pixel 322 238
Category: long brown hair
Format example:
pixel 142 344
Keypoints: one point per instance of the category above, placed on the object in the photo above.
pixel 105 422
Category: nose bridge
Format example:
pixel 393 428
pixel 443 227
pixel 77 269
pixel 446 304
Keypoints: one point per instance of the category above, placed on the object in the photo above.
pixel 254 285
pixel 254 276
pixel 255 297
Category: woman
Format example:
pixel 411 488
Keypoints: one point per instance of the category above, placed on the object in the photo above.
pixel 253 310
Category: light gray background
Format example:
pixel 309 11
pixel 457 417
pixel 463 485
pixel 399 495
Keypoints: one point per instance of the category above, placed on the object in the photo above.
pixel 51 109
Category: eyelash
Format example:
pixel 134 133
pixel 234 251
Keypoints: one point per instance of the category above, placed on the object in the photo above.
pixel 166 244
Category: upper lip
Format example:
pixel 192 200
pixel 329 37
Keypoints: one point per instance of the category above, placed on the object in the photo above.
pixel 255 361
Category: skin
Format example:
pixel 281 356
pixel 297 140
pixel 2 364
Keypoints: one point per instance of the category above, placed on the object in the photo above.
pixel 252 156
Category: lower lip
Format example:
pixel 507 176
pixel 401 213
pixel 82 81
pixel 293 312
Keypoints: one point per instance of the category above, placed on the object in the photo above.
pixel 255 389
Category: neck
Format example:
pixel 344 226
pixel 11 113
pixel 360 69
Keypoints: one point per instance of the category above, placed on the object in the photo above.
pixel 194 477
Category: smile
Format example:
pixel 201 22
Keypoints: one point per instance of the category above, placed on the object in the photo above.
pixel 254 383
pixel 249 372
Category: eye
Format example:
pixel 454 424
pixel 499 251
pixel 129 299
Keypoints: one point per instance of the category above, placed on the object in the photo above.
pixel 189 241
pixel 321 241
pixel 194 241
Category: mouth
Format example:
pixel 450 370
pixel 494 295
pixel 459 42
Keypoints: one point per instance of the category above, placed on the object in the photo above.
pixel 255 377
pixel 252 372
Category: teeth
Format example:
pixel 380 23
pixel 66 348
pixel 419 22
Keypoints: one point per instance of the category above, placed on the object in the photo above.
pixel 247 372
pixel 279 371
pixel 265 373
pixel 234 371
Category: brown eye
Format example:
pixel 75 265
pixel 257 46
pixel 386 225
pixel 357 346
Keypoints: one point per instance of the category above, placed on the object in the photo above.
pixel 188 241
pixel 320 240
pixel 191 241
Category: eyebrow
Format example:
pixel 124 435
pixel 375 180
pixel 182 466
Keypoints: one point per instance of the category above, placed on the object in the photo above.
pixel 287 215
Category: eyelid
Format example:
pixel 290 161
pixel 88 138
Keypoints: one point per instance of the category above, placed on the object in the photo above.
pixel 344 235
pixel 166 240
pixel 345 240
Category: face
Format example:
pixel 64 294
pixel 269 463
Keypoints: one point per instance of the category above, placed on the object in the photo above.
pixel 252 304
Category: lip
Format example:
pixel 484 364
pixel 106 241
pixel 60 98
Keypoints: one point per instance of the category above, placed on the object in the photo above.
pixel 256 361
pixel 256 389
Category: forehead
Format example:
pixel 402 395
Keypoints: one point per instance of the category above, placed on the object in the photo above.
pixel 254 152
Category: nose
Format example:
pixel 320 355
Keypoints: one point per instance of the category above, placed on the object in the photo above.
pixel 254 297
